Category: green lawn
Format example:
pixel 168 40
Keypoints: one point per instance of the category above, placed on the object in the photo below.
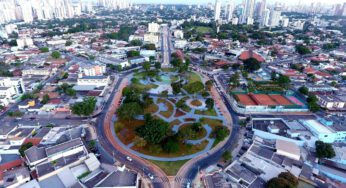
pixel 194 77
pixel 170 168
pixel 170 108
pixel 204 30
pixel 211 112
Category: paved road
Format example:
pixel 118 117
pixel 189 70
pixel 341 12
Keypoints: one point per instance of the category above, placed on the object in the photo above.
pixel 166 46
pixel 120 155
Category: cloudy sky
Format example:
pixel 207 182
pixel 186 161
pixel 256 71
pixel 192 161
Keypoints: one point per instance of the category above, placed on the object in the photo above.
pixel 238 1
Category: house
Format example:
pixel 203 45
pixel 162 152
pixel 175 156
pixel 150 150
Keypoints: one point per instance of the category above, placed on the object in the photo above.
pixel 16 177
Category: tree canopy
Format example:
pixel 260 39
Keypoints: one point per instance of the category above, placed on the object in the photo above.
pixel 56 55
pixel 129 111
pixel 84 108
pixel 284 180
pixel 252 64
pixel 302 50
pixel 154 131
pixel 324 150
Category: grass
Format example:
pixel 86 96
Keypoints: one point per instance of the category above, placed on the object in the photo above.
pixel 170 168
pixel 174 122
pixel 174 78
pixel 125 130
pixel 170 108
pixel 210 112
pixel 193 135
pixel 184 149
pixel 211 122
pixel 143 87
pixel 185 107
pixel 151 109
pixel 168 69
pixel 196 102
pixel 204 30
pixel 193 77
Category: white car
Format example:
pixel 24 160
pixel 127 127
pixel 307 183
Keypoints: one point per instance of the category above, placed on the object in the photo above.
pixel 151 176
pixel 129 158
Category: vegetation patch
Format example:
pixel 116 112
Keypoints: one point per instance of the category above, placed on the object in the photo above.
pixel 196 102
pixel 170 168
pixel 169 106
pixel 152 108
pixel 193 131
pixel 210 112
pixel 125 129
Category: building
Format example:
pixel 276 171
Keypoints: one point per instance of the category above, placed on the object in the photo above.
pixel 153 27
pixel 92 69
pixel 248 11
pixel 327 134
pixel 230 10
pixel 179 34
pixel 37 72
pixel 24 42
pixel 275 16
pixel 288 149
pixel 217 10
pixel 16 177
pixel 10 90
pixel 151 39
pixel 96 81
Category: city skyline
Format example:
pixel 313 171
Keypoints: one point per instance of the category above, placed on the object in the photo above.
pixel 292 2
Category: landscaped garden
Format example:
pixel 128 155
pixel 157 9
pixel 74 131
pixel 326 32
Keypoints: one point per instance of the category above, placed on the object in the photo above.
pixel 167 115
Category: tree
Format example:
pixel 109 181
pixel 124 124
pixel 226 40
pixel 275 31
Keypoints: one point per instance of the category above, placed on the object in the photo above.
pixel 70 92
pixel 302 50
pixel 146 66
pixel 136 43
pixel 324 150
pixel 45 99
pixel 24 147
pixel 290 178
pixel 278 183
pixel 84 108
pixel 56 55
pixel 227 156
pixel 196 127
pixel 68 43
pixel 149 47
pixel 133 53
pixel 44 49
pixel 209 103
pixel 153 131
pixel 176 87
pixel 303 90
pixel 194 87
pixel 171 145
pixel 283 80
pixel 129 111
pixel 284 180
pixel 252 64
pixel 209 84
pixel 158 65
pixel 220 133
pixel 234 80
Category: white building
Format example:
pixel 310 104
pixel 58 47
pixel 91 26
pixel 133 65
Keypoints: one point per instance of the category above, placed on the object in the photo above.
pixel 230 9
pixel 10 90
pixel 179 34
pixel 151 38
pixel 96 81
pixel 153 27
pixel 217 10
pixel 324 133
pixel 288 149
pixel 25 42
pixel 275 15
pixel 248 11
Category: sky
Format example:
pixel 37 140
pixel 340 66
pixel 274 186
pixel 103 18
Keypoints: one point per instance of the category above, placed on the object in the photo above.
pixel 237 1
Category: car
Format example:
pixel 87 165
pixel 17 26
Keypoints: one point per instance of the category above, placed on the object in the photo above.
pixel 128 158
pixel 150 176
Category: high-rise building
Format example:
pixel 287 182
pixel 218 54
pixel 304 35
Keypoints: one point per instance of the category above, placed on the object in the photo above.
pixel 343 12
pixel 217 10
pixel 275 15
pixel 265 19
pixel 153 27
pixel 230 10
pixel 248 11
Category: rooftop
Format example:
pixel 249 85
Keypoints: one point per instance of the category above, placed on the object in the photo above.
pixel 119 179
pixel 64 146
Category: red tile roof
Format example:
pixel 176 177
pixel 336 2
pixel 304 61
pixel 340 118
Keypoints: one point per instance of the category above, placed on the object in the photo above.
pixel 250 54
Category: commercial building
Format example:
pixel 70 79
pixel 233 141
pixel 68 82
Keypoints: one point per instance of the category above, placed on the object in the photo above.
pixel 10 90
pixel 153 27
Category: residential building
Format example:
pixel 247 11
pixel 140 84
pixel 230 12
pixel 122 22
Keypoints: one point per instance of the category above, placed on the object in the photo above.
pixel 10 89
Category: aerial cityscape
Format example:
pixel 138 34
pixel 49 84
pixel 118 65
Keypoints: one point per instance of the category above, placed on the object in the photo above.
pixel 172 94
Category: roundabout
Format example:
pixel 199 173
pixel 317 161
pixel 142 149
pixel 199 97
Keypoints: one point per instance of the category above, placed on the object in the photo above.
pixel 158 123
